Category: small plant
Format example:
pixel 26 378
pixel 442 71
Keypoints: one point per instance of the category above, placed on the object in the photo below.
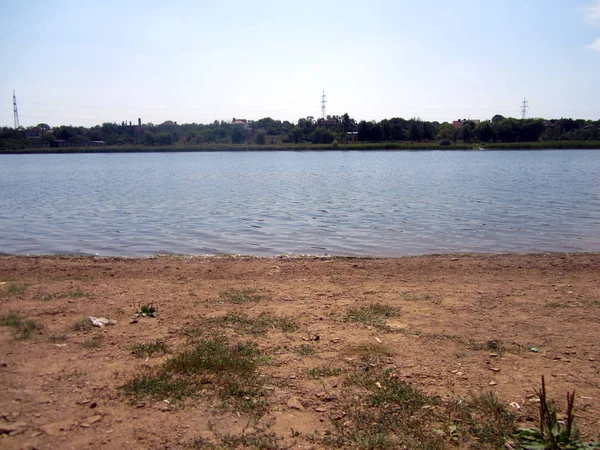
pixel 16 289
pixel 70 294
pixel 157 347
pixel 147 311
pixel 94 342
pixel 22 328
pixel 373 315
pixel 306 350
pixel 214 366
pixel 58 338
pixel 491 345
pixel 82 325
pixel 552 434
pixel 323 372
pixel 240 296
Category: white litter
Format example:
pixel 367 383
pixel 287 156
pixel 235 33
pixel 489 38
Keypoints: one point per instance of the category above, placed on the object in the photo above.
pixel 101 321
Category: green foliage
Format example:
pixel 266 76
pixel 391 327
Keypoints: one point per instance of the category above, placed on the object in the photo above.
pixel 214 365
pixel 15 289
pixel 259 325
pixel 147 311
pixel 306 350
pixel 240 295
pixel 147 350
pixel 260 137
pixel 372 315
pixel 551 433
pixel 383 412
pixel 22 328
pixel 323 372
pixel 94 342
pixel 82 325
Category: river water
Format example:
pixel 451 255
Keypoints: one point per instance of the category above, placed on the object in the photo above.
pixel 368 203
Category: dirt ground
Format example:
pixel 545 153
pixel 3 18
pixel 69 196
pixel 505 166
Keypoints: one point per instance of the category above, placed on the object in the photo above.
pixel 467 323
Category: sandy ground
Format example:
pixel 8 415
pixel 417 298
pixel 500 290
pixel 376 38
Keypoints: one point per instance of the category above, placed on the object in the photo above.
pixel 467 323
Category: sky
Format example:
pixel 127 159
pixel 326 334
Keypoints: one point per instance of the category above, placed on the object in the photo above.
pixel 83 62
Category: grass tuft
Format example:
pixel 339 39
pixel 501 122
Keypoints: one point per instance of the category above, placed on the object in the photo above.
pixel 372 315
pixel 239 296
pixel 82 325
pixel 384 412
pixel 324 372
pixel 147 350
pixel 213 365
pixel 22 328
pixel 306 350
pixel 61 295
pixel 15 289
pixel 94 342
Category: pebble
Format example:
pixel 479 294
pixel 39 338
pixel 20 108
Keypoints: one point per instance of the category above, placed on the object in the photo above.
pixel 295 403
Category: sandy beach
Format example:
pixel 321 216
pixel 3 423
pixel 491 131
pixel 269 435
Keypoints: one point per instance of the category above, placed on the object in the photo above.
pixel 451 326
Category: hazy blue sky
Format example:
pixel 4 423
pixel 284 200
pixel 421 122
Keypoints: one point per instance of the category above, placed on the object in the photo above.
pixel 83 62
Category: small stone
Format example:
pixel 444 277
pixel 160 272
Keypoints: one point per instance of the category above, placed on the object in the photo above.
pixel 495 369
pixel 295 403
pixel 493 383
pixel 493 355
pixel 320 409
pixel 378 340
pixel 94 419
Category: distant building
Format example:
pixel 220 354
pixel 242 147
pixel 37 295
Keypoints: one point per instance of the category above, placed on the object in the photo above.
pixel 97 143
pixel 59 143
pixel 459 123
pixel 240 123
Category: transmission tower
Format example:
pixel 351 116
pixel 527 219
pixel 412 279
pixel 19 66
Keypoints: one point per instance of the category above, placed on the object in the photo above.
pixel 524 108
pixel 16 113
pixel 323 103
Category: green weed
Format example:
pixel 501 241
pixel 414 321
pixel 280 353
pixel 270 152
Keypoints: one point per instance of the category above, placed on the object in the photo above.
pixel 551 433
pixel 212 365
pixel 149 349
pixel 306 350
pixel 22 328
pixel 15 289
pixel 324 372
pixel 372 315
pixel 383 412
pixel 146 311
pixel 61 295
pixel 82 325
pixel 239 296
pixel 58 338
pixel 94 342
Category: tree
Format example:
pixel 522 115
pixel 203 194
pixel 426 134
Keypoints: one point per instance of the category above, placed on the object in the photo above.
pixel 148 138
pixel 363 130
pixel 238 136
pixel 260 137
pixel 416 130
pixel 466 132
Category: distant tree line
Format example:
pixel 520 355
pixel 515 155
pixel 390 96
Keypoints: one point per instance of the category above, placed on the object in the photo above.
pixel 334 129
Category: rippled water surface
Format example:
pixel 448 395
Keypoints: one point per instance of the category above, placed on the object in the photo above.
pixel 268 203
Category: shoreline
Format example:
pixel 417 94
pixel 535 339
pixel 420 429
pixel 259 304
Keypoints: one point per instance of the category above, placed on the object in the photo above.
pixel 386 146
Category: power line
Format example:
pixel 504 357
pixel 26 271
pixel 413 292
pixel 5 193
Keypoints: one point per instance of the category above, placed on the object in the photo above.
pixel 323 102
